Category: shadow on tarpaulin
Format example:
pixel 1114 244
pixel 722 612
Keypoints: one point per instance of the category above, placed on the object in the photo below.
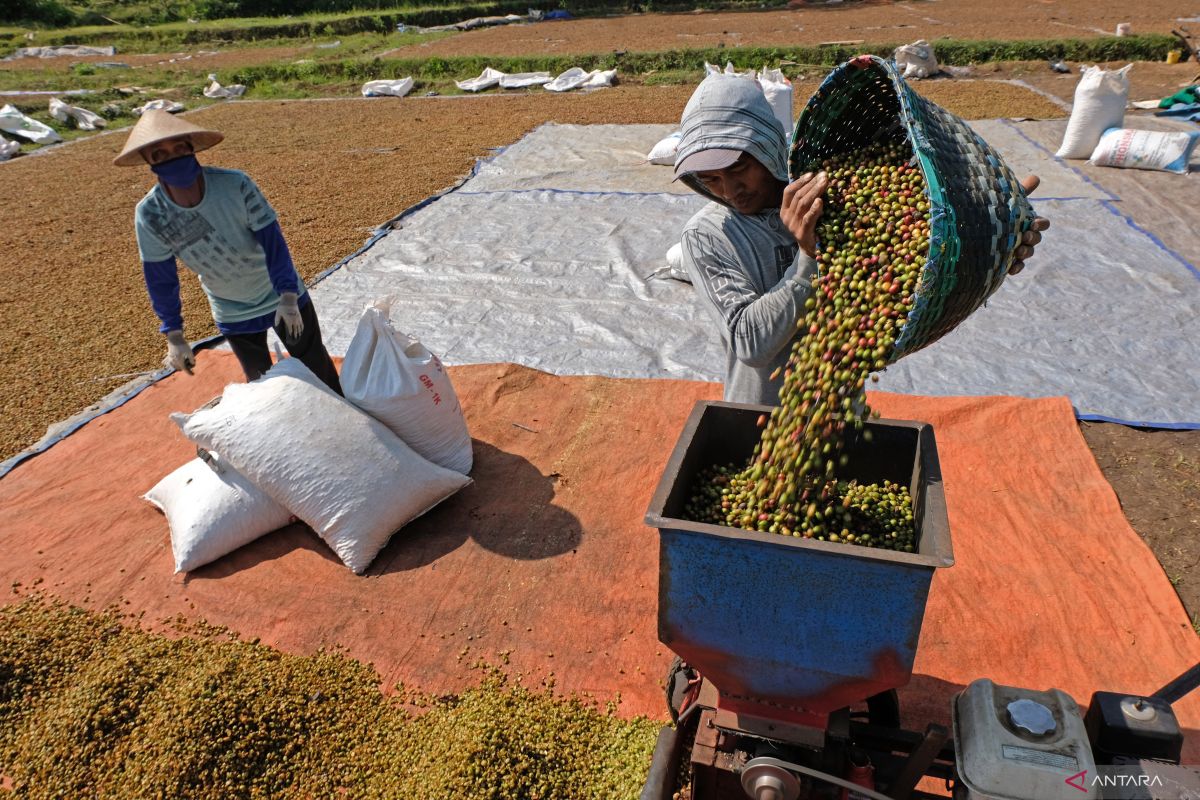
pixel 508 510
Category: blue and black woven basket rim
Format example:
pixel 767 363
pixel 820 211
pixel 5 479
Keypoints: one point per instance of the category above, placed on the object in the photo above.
pixel 978 210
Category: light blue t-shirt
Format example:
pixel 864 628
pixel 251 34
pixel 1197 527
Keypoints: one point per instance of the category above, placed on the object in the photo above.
pixel 214 239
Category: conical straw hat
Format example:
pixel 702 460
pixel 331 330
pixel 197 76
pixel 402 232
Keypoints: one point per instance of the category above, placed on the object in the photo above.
pixel 157 125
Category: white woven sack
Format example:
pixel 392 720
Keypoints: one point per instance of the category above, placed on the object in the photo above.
pixel 1169 151
pixel 566 81
pixel 675 267
pixel 1100 100
pixel 663 153
pixel 336 468
pixel 398 381
pixel 778 91
pixel 917 59
pixel 213 514
pixel 388 88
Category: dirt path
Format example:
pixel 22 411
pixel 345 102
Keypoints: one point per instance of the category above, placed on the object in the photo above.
pixel 1156 475
pixel 872 22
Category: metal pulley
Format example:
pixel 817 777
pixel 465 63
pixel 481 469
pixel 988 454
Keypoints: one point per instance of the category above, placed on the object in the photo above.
pixel 763 780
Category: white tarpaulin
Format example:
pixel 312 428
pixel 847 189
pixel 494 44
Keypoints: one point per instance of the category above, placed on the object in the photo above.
pixel 170 106
pixel 579 78
pixel 551 256
pixel 486 80
pixel 388 88
pixel 215 90
pixel 58 52
pixel 523 80
pixel 85 120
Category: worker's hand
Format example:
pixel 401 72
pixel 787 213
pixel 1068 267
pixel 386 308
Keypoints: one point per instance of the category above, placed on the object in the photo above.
pixel 802 207
pixel 1032 236
pixel 288 315
pixel 179 353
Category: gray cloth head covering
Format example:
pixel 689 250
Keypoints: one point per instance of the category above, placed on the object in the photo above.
pixel 730 112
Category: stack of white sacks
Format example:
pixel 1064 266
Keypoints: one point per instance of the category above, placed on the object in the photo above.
pixel 1096 131
pixel 775 86
pixel 285 447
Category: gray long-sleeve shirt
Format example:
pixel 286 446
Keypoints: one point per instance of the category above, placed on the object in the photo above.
pixel 752 277
pixel 747 268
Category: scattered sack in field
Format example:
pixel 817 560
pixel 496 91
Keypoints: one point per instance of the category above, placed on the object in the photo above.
pixel 775 87
pixel 211 514
pixel 571 79
pixel 712 69
pixel 663 153
pixel 917 59
pixel 170 106
pixel 522 80
pixel 1169 151
pixel 398 381
pixel 85 120
pixel 8 149
pixel 486 80
pixel 579 78
pixel 215 90
pixel 14 122
pixel 601 79
pixel 778 91
pixel 338 469
pixel 392 88
pixel 1100 100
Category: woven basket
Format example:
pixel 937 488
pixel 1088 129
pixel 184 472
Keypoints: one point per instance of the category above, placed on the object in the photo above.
pixel 978 210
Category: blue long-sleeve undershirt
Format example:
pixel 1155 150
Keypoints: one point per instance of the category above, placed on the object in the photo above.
pixel 279 259
pixel 162 283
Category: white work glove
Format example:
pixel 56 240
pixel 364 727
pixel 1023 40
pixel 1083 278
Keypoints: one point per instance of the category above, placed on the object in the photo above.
pixel 288 314
pixel 179 353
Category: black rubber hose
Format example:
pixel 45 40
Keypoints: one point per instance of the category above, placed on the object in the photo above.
pixel 1179 687
pixel 661 779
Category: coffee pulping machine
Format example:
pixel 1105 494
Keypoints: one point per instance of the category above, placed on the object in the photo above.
pixel 790 650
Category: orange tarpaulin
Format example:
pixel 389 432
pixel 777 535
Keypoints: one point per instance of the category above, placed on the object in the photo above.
pixel 546 556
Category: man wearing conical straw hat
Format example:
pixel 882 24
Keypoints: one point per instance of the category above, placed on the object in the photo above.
pixel 220 224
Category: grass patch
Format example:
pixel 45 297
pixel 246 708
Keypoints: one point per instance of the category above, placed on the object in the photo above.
pixel 93 706
pixel 675 64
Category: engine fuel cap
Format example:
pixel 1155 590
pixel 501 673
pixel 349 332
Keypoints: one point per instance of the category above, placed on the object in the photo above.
pixel 1031 716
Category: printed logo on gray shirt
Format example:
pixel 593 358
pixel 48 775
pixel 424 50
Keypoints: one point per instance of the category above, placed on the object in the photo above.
pixel 785 255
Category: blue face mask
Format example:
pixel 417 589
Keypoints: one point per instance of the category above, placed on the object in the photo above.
pixel 179 172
